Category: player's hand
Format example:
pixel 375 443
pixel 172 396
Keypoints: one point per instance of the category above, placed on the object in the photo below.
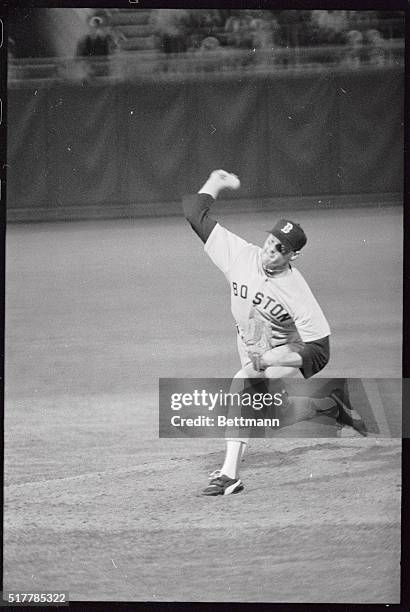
pixel 218 180
pixel 270 358
pixel 225 180
pixel 257 337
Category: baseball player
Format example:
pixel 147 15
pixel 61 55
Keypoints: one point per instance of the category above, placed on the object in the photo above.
pixel 281 329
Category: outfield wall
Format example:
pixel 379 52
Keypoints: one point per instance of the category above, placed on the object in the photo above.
pixel 78 150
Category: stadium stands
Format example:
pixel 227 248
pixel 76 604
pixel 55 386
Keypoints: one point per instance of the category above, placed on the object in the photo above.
pixel 154 43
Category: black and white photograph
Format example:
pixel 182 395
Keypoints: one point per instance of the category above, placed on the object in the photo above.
pixel 203 356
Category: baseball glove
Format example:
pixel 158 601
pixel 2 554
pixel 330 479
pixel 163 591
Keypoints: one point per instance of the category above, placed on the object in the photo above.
pixel 257 337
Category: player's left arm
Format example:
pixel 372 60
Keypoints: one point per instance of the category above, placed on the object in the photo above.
pixel 314 331
pixel 315 355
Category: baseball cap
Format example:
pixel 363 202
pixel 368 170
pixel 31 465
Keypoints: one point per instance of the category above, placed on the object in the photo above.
pixel 290 234
pixel 95 21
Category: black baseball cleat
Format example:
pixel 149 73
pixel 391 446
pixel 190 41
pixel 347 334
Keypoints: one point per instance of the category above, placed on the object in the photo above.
pixel 223 485
pixel 347 414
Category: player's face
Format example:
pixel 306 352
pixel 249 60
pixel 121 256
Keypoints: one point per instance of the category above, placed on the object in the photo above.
pixel 274 255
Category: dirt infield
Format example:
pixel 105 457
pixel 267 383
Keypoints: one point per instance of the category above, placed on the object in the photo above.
pixel 97 505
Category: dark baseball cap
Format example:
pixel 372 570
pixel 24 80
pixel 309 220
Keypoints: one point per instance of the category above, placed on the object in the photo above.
pixel 290 234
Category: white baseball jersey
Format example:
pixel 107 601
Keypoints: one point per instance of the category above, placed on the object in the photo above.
pixel 286 300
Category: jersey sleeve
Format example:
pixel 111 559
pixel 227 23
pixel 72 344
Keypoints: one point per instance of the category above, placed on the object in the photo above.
pixel 312 324
pixel 308 316
pixel 223 247
pixel 196 210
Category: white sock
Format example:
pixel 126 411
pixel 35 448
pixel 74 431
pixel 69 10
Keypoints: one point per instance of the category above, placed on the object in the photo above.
pixel 233 457
pixel 243 450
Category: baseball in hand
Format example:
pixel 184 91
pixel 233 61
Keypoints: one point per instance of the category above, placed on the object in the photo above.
pixel 228 179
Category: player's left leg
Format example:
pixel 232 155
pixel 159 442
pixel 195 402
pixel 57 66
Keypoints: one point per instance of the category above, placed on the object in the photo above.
pixel 226 480
pixel 276 362
pixel 282 372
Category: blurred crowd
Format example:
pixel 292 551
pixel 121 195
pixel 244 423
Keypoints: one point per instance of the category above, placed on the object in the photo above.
pixel 267 39
pixel 179 30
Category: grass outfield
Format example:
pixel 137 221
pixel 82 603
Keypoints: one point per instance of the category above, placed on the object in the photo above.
pixel 97 505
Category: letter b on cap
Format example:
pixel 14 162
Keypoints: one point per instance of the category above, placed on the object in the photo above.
pixel 288 227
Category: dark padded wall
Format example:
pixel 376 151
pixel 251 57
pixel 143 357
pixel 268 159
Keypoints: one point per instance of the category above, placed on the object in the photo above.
pixel 151 141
